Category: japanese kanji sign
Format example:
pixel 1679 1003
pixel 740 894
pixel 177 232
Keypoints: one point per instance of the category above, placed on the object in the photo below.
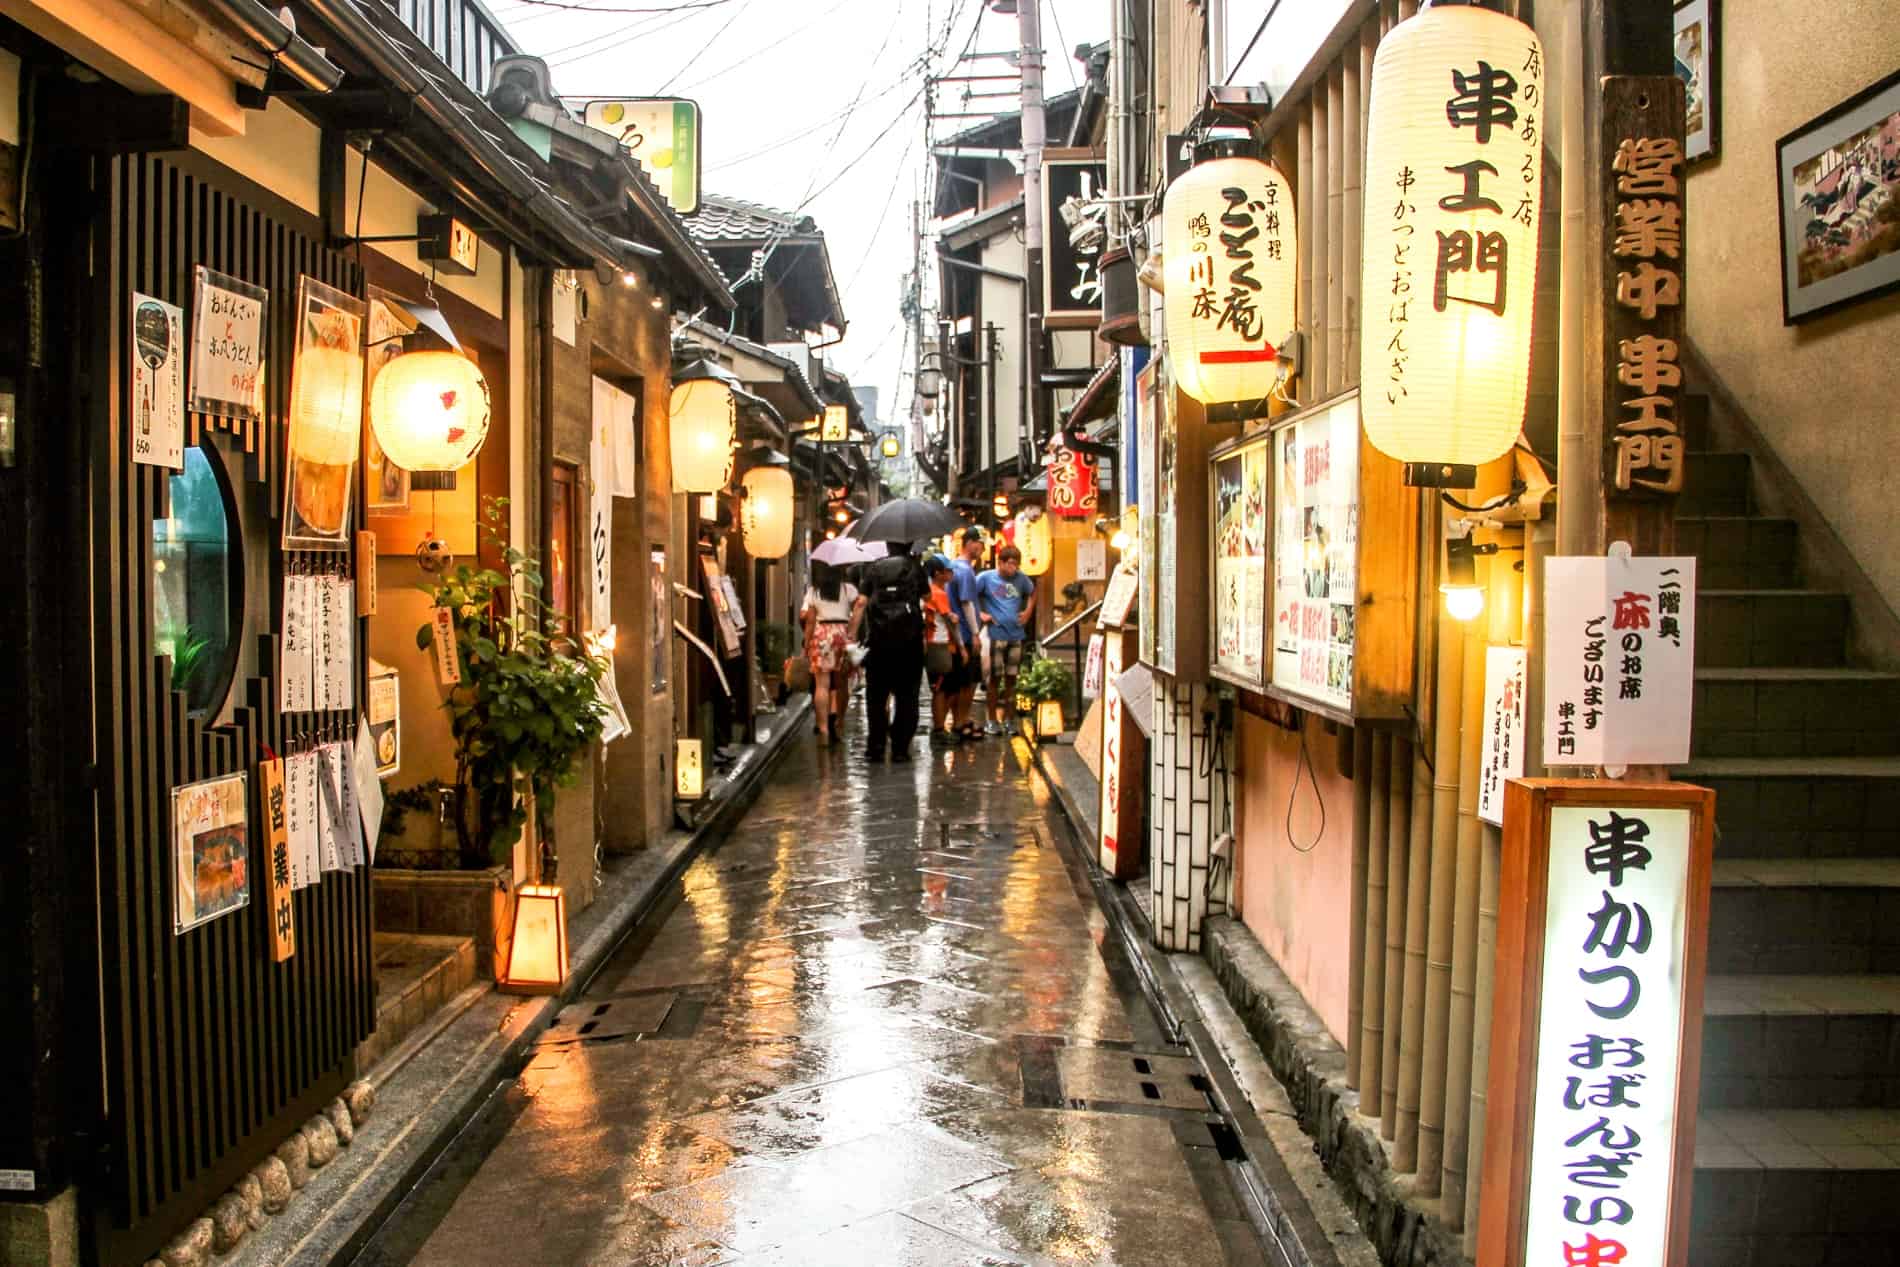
pixel 1643 225
pixel 1074 225
pixel 227 345
pixel 1619 674
pixel 1071 479
pixel 1601 950
pixel 283 916
pixel 1501 747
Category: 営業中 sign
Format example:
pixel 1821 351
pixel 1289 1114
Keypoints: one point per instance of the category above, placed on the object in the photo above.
pixel 1619 673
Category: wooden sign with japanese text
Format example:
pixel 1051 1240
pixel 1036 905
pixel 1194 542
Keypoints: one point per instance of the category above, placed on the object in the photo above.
pixel 1596 1029
pixel 1124 764
pixel 1643 229
pixel 277 889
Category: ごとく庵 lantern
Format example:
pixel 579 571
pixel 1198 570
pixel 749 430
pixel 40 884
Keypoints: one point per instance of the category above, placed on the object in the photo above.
pixel 429 409
pixel 1048 718
pixel 1035 541
pixel 702 425
pixel 689 770
pixel 1454 170
pixel 326 414
pixel 766 512
pixel 1230 260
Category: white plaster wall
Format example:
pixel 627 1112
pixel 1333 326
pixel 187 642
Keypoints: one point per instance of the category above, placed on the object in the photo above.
pixel 1821 392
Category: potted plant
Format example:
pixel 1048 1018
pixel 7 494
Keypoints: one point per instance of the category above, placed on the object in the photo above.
pixel 1041 690
pixel 776 641
pixel 528 704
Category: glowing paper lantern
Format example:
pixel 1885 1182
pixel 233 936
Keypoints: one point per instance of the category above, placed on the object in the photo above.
pixel 1454 174
pixel 1035 540
pixel 537 956
pixel 1230 264
pixel 702 425
pixel 766 512
pixel 326 418
pixel 430 411
pixel 689 770
pixel 1048 718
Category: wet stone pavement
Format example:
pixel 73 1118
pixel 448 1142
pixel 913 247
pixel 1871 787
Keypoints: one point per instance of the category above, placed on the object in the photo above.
pixel 884 1023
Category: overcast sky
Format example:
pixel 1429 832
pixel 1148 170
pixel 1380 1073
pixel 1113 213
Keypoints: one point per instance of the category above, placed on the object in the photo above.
pixel 776 81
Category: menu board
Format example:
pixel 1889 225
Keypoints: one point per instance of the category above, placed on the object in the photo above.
pixel 1240 564
pixel 1315 552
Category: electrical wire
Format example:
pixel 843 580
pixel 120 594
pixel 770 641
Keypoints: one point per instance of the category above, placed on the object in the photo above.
pixel 674 77
pixel 1305 761
pixel 606 8
pixel 774 46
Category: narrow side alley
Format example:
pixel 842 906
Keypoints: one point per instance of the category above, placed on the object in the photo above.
pixel 885 1022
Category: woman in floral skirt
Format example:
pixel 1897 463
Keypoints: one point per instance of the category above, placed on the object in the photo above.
pixel 831 611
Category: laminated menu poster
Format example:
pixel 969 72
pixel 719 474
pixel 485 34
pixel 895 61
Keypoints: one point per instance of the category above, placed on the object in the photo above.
pixel 1316 539
pixel 158 383
pixel 1240 564
pixel 227 345
pixel 210 850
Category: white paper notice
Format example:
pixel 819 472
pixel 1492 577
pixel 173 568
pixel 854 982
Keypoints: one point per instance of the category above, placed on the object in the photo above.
pixel 294 670
pixel 368 784
pixel 227 345
pixel 352 825
pixel 342 642
pixel 1502 749
pixel 1091 559
pixel 329 809
pixel 300 814
pixel 1619 679
pixel 158 383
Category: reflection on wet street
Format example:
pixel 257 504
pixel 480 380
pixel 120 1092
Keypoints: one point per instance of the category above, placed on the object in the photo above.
pixel 877 1026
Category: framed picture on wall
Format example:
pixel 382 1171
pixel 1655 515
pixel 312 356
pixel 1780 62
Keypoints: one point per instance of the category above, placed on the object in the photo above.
pixel 1838 178
pixel 1699 64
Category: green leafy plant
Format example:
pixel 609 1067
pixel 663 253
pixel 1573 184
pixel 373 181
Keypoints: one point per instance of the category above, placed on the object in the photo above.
pixel 187 648
pixel 775 644
pixel 1045 678
pixel 527 706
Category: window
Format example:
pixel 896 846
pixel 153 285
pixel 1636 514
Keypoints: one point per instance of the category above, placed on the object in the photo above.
pixel 196 588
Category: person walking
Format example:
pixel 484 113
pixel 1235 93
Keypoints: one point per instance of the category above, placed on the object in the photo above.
pixel 831 611
pixel 1006 603
pixel 969 673
pixel 943 648
pixel 893 670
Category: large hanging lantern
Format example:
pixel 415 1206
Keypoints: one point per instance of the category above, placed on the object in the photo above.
pixel 702 426
pixel 1034 539
pixel 1454 171
pixel 1230 264
pixel 326 414
pixel 430 412
pixel 766 512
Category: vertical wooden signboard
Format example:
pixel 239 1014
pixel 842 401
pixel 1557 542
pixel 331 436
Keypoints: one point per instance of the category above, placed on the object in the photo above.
pixel 1596 1030
pixel 1123 763
pixel 277 888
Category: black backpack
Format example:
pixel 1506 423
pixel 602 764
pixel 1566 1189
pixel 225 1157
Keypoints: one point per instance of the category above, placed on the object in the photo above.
pixel 892 615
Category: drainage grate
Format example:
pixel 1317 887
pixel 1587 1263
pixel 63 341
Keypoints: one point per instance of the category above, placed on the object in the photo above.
pixel 1111 1080
pixel 598 1020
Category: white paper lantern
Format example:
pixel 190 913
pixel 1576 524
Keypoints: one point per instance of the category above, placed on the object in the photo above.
pixel 702 425
pixel 1035 541
pixel 766 512
pixel 1454 172
pixel 430 410
pixel 1230 261
pixel 326 418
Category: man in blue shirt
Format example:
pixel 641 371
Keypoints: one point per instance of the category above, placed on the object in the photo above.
pixel 1006 604
pixel 964 677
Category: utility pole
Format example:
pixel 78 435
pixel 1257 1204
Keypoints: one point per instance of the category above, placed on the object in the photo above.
pixel 1029 18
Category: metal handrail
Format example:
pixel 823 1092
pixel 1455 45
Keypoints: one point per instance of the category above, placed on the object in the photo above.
pixel 1077 619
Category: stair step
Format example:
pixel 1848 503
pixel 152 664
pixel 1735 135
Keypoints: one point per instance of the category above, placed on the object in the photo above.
pixel 1800 1041
pixel 1792 628
pixel 416 974
pixel 1717 484
pixel 1804 915
pixel 1738 551
pixel 1768 712
pixel 1795 1188
pixel 1806 807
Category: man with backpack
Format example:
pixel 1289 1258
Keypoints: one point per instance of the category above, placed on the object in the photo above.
pixel 894 592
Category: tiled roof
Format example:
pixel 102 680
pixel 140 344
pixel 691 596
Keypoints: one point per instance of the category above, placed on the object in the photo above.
pixel 723 220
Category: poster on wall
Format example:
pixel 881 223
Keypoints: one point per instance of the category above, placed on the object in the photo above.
pixel 1315 552
pixel 600 513
pixel 158 383
pixel 1091 559
pixel 1145 523
pixel 1165 517
pixel 1619 676
pixel 210 850
pixel 659 621
pixel 384 715
pixel 1501 747
pixel 326 417
pixel 227 345
pixel 1240 564
pixel 386 485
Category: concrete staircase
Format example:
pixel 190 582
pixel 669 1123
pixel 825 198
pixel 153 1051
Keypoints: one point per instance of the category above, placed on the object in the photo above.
pixel 1798 1144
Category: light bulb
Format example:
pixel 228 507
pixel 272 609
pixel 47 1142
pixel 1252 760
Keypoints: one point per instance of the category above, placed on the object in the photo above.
pixel 1120 540
pixel 1462 602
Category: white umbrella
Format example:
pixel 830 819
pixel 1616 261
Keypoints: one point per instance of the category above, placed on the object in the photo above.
pixel 843 552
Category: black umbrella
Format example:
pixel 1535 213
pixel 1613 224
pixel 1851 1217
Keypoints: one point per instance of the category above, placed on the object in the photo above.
pixel 906 519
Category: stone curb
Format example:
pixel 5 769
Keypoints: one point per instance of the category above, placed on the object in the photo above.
pixel 427 1101
pixel 1311 1065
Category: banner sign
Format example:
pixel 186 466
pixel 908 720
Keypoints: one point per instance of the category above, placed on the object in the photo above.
pixel 661 134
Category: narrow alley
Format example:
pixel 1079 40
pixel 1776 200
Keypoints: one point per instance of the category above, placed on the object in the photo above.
pixel 884 1023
